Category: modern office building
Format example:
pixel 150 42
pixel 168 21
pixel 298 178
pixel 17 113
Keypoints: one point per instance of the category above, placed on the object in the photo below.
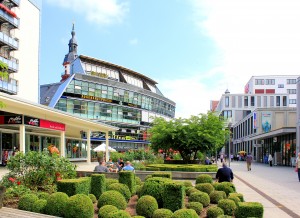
pixel 19 47
pixel 109 93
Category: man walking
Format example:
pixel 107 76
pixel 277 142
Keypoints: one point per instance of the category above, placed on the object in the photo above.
pixel 270 159
pixel 224 174
pixel 249 159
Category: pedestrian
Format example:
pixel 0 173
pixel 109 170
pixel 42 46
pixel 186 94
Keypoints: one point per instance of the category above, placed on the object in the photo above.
pixel 249 159
pixel 224 174
pixel 297 169
pixel 221 158
pixel 101 167
pixel 207 161
pixel 270 159
pixel 128 167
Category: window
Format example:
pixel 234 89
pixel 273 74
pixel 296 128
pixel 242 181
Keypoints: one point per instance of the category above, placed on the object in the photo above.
pixel 270 81
pixel 280 85
pixel 246 101
pixel 284 101
pixel 259 82
pixel 277 100
pixel 226 101
pixel 252 100
pixel 292 101
pixel 291 91
pixel 227 114
pixel 291 81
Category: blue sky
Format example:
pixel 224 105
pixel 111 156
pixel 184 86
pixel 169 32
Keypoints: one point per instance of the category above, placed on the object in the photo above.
pixel 194 49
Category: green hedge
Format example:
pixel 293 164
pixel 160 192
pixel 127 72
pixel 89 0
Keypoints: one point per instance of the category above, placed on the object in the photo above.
pixel 26 202
pixel 201 197
pixel 189 191
pixel 56 204
pixel 128 178
pixel 239 195
pixel 162 213
pixel 119 214
pixel 229 207
pixel 74 186
pixel 154 187
pixel 114 198
pixel 146 206
pixel 205 187
pixel 182 167
pixel 122 188
pixel 109 181
pixel 227 187
pixel 173 196
pixel 162 174
pixel 39 206
pixel 197 206
pixel 93 198
pixel 79 206
pixel 185 213
pixel 204 178
pixel 215 196
pixel 98 184
pixel 249 209
pixel 105 210
pixel 214 212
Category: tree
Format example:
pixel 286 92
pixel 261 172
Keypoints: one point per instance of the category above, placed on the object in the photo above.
pixel 188 136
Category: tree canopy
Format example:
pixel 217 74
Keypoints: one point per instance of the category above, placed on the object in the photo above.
pixel 204 133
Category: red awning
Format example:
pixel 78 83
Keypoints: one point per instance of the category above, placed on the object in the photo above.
pixel 7 10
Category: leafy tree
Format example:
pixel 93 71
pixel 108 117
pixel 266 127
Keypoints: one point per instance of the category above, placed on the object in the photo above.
pixel 201 133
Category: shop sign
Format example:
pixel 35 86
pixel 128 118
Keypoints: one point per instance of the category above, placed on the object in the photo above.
pixel 11 119
pixel 266 121
pixel 52 125
pixel 31 121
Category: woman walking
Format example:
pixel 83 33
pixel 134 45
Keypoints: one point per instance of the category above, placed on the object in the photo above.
pixel 270 159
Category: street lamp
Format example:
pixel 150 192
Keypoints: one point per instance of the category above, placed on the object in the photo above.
pixel 229 142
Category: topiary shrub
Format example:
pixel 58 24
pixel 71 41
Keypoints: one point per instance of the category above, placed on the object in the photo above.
pixel 43 195
pixel 138 189
pixel 228 206
pixel 185 213
pixel 214 212
pixel 239 195
pixel 122 188
pixel 191 190
pixel 138 180
pixel 119 214
pixel 109 181
pixel 93 198
pixel 105 210
pixel 148 177
pixel 98 184
pixel 162 213
pixel 56 204
pixel 114 198
pixel 204 178
pixel 201 197
pixel 197 206
pixel 215 196
pixel 26 202
pixel 128 178
pixel 154 187
pixel 146 206
pixel 39 206
pixel 74 186
pixel 173 196
pixel 205 187
pixel 79 206
pixel 227 187
pixel 235 199
pixel 249 209
pixel 187 184
pixel 163 175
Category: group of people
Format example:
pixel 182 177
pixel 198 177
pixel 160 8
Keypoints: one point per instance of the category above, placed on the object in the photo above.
pixel 110 166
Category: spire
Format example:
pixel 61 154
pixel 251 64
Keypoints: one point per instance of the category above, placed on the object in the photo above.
pixel 73 42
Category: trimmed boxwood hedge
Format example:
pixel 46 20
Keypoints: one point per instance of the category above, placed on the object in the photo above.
pixel 26 202
pixel 191 190
pixel 205 187
pixel 138 180
pixel 227 187
pixel 146 206
pixel 185 213
pixel 105 210
pixel 235 199
pixel 214 212
pixel 204 178
pixel 239 195
pixel 79 206
pixel 119 214
pixel 56 204
pixel 249 209
pixel 182 167
pixel 128 178
pixel 188 184
pixel 201 197
pixel 173 196
pixel 162 213
pixel 197 206
pixel 39 206
pixel 93 198
pixel 98 184
pixel 162 174
pixel 122 188
pixel 229 207
pixel 74 186
pixel 215 196
pixel 109 181
pixel 43 195
pixel 114 198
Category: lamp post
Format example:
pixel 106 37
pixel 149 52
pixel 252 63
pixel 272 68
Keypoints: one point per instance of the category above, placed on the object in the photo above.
pixel 229 143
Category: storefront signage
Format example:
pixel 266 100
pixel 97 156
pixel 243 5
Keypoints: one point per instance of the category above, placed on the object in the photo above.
pixel 32 121
pixel 11 119
pixel 266 121
pixel 254 120
pixel 100 99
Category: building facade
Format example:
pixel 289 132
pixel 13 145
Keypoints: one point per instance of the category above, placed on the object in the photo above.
pixel 109 93
pixel 19 47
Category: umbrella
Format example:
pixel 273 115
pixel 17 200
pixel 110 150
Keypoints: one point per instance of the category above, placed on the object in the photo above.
pixel 102 147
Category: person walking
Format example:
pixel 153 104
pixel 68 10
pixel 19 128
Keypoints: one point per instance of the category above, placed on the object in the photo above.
pixel 224 174
pixel 297 169
pixel 249 159
pixel 270 159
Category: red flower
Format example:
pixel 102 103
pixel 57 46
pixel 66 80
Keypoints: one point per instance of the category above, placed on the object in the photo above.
pixel 58 178
pixel 57 174
pixel 19 183
pixel 11 179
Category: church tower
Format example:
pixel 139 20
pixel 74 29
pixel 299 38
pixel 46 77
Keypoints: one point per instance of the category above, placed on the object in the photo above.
pixel 71 56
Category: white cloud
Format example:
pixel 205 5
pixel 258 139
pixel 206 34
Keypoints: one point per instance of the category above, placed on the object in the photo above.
pixel 134 41
pixel 103 12
pixel 254 37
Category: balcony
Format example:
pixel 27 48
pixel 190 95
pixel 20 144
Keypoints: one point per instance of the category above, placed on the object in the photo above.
pixel 5 17
pixel 6 40
pixel 9 87
pixel 15 2
pixel 12 64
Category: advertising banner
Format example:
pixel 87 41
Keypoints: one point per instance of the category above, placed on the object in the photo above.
pixel 266 121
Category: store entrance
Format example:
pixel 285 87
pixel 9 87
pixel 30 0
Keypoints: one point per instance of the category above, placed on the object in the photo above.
pixel 7 142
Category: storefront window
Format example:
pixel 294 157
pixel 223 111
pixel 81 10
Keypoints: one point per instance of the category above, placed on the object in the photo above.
pixel 76 148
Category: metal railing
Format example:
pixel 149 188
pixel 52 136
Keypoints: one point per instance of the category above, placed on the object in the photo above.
pixel 10 86
pixel 12 65
pixel 12 20
pixel 9 40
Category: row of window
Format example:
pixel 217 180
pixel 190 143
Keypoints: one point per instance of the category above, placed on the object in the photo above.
pixel 113 93
pixel 272 82
pixel 100 71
